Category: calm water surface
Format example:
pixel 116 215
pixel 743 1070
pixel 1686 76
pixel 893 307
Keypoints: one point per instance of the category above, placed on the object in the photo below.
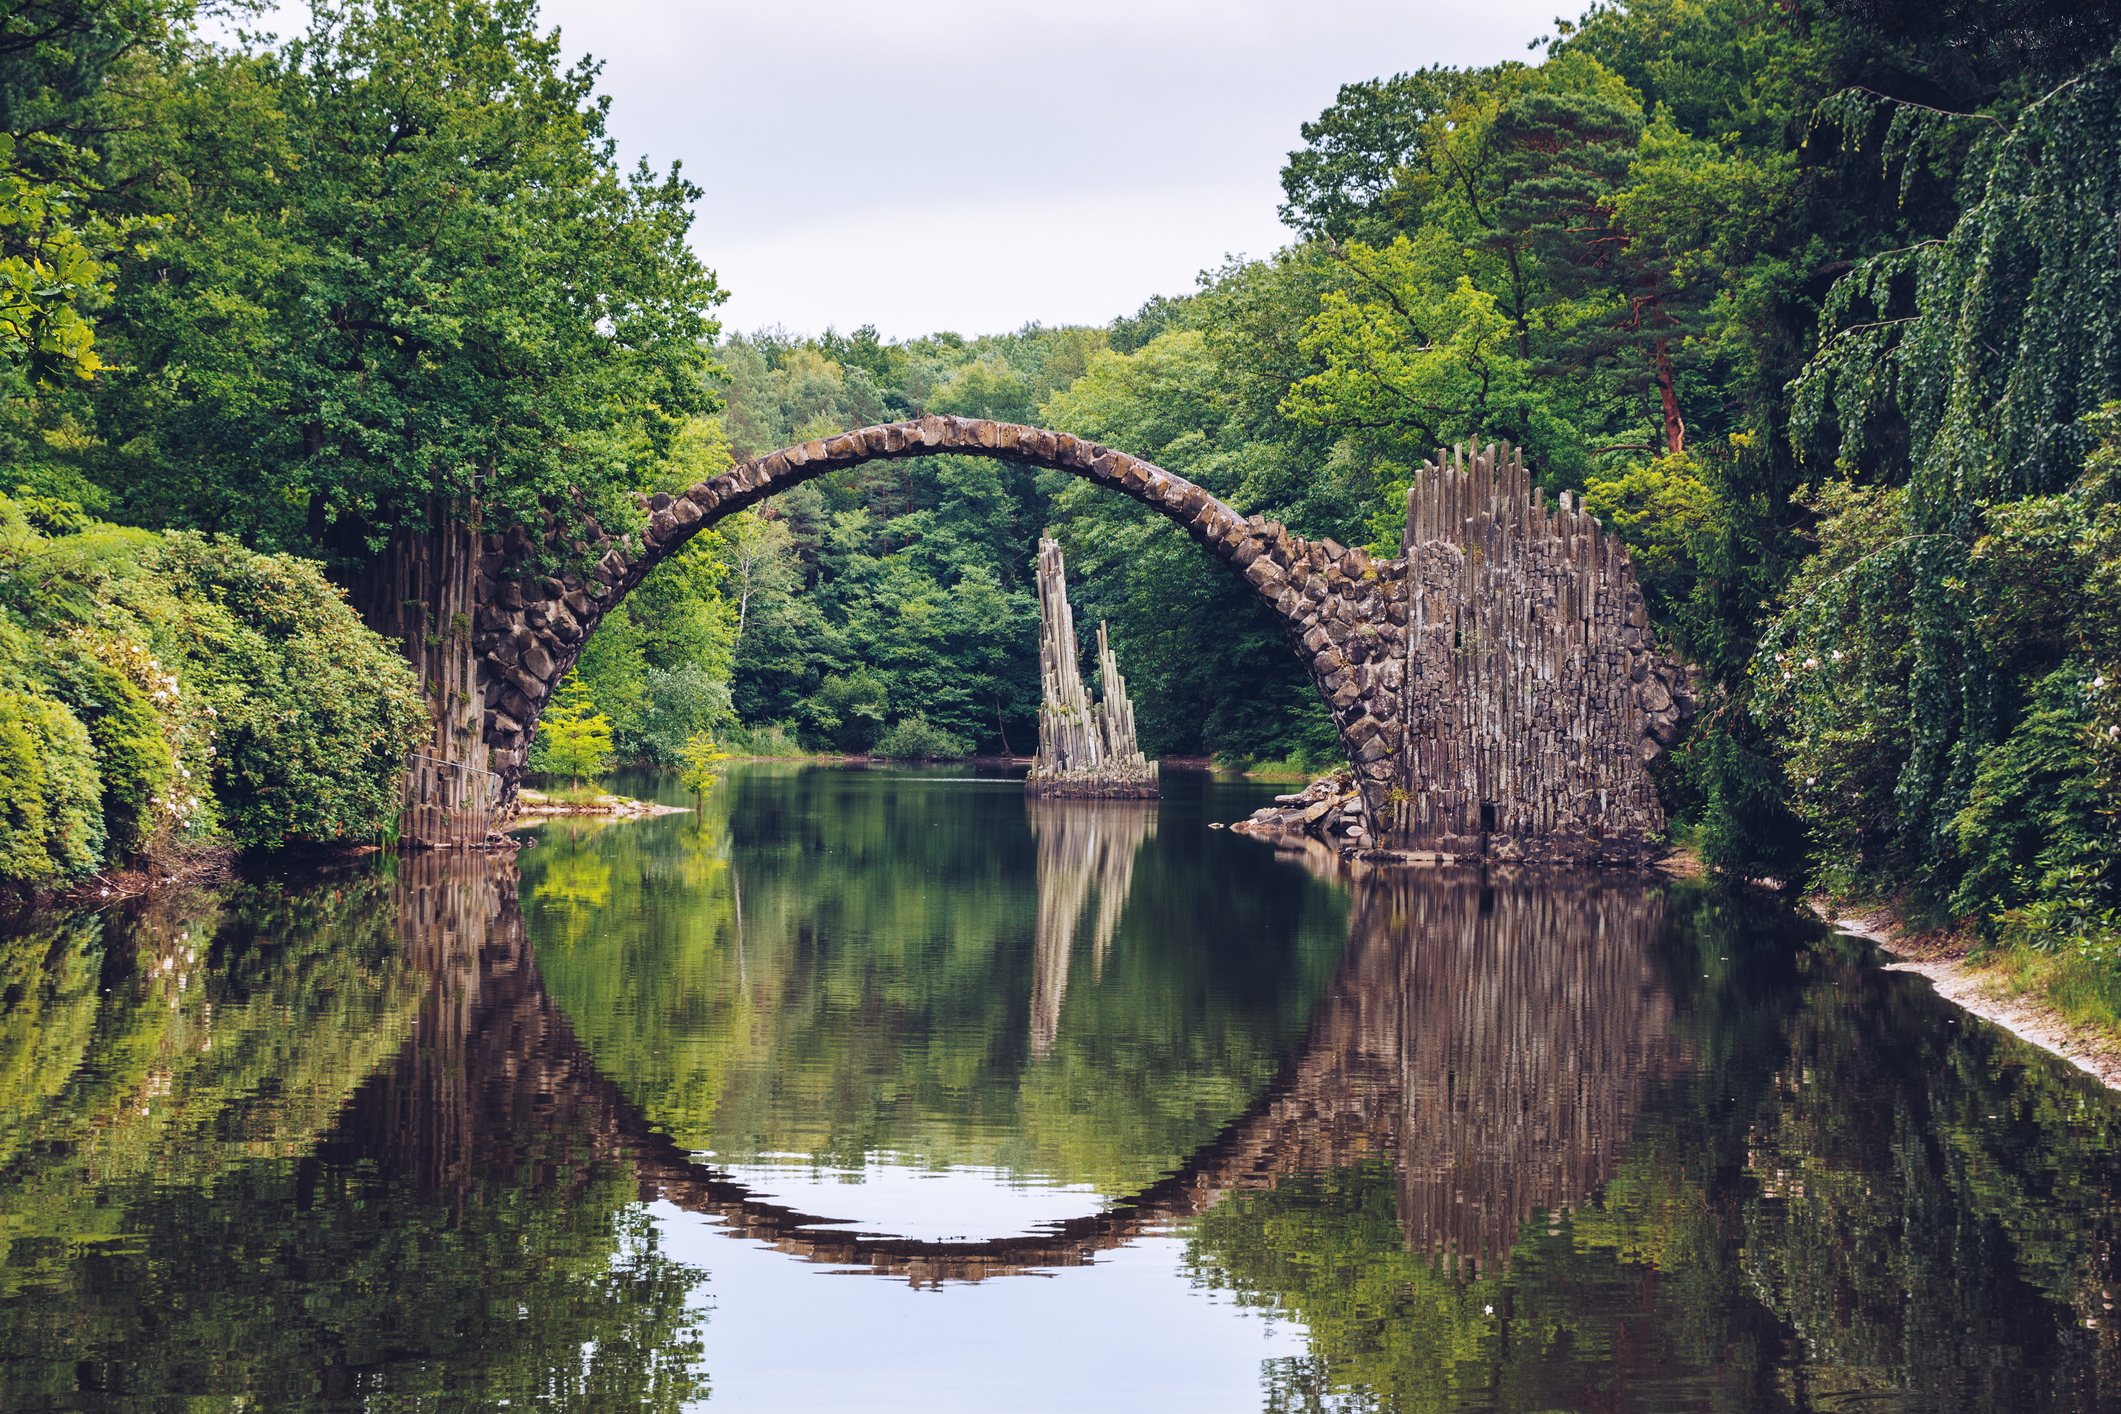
pixel 884 1089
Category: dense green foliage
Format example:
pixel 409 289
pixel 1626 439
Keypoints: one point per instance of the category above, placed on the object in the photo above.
pixel 392 261
pixel 658 667
pixel 52 826
pixel 157 688
pixel 898 588
pixel 313 295
pixel 1922 342
pixel 1971 379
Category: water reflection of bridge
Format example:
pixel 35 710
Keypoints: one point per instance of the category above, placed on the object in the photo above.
pixel 1493 1039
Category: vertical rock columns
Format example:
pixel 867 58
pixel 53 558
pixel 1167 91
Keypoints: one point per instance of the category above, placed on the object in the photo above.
pixel 1084 748
pixel 421 592
pixel 1534 693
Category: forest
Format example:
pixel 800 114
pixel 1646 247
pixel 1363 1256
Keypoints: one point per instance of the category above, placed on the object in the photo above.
pixel 1811 302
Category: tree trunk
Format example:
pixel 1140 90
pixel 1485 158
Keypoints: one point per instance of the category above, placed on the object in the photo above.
pixel 421 593
pixel 1674 425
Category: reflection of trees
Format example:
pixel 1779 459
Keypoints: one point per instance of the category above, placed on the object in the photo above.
pixel 574 882
pixel 1082 845
pixel 288 1235
pixel 1936 1206
pixel 879 1000
pixel 177 1038
pixel 1804 1190
pixel 1495 1040
pixel 1786 1186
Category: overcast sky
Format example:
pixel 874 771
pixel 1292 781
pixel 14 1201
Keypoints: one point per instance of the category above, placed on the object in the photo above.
pixel 951 164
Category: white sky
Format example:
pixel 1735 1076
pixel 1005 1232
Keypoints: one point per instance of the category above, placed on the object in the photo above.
pixel 949 164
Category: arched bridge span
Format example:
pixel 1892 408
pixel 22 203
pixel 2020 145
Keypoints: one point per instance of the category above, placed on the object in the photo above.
pixel 1493 686
pixel 529 632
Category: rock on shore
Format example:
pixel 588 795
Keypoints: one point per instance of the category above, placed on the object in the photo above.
pixel 1330 809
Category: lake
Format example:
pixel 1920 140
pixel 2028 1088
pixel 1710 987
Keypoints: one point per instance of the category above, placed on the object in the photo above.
pixel 884 1088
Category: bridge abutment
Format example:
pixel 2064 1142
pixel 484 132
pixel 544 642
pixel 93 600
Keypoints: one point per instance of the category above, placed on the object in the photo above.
pixel 1536 695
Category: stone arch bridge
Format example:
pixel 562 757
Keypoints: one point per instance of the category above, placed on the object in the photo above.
pixel 1494 685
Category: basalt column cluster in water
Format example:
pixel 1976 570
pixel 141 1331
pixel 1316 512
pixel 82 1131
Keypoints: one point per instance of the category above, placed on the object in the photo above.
pixel 1085 748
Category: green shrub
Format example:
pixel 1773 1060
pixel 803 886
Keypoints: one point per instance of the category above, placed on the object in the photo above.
pixel 51 814
pixel 314 713
pixel 134 753
pixel 915 738
pixel 1290 769
pixel 848 709
pixel 2033 827
pixel 685 702
pixel 200 688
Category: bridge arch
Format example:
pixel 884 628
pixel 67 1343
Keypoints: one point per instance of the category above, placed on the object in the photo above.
pixel 1496 686
pixel 1333 603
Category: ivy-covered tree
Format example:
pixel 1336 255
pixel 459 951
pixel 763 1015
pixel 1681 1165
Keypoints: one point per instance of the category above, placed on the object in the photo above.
pixel 1966 375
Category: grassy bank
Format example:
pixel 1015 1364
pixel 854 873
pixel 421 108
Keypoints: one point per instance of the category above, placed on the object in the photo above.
pixel 2067 960
pixel 1295 768
pixel 769 742
pixel 2082 990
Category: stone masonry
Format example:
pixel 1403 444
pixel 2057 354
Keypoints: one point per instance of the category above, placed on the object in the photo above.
pixel 1526 743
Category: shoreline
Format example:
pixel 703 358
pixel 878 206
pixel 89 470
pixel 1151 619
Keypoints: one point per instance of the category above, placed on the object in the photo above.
pixel 1971 990
pixel 195 866
pixel 533 806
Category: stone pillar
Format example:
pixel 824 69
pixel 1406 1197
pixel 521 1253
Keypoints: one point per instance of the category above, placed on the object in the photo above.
pixel 1084 748
pixel 421 592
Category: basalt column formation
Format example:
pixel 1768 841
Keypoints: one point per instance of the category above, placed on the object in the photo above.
pixel 1534 694
pixel 422 592
pixel 1084 748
